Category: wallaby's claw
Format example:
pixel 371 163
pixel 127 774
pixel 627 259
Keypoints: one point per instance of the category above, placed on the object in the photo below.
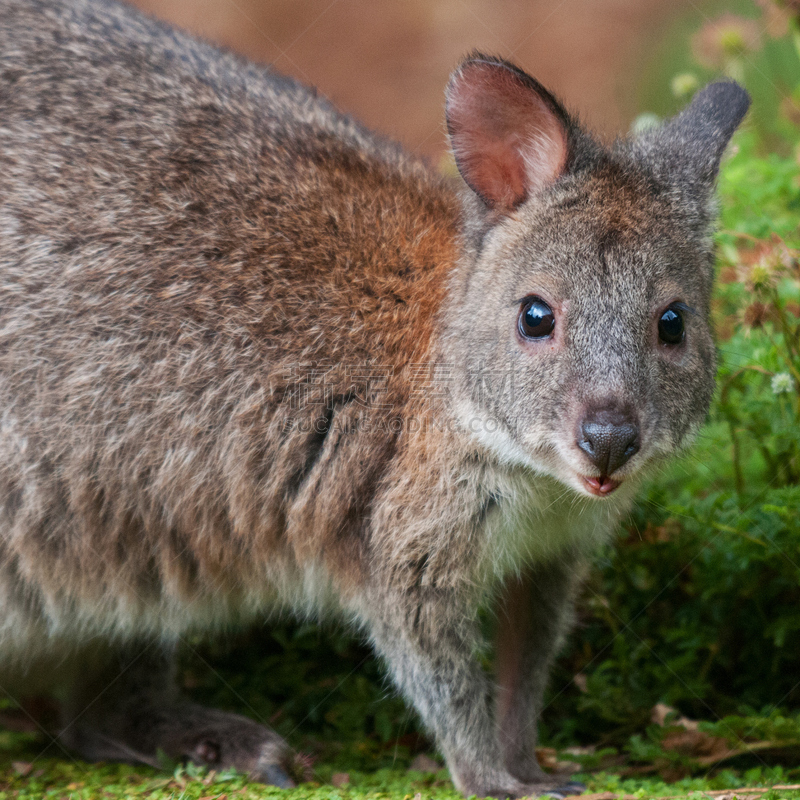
pixel 274 775
pixel 565 790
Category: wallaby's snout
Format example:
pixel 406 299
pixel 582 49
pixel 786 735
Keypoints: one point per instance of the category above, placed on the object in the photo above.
pixel 609 435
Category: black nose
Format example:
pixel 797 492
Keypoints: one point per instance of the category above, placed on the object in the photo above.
pixel 609 436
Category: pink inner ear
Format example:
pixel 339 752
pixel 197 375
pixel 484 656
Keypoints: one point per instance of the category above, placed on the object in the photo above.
pixel 508 141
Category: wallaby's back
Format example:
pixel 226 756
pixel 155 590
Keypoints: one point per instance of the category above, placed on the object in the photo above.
pixel 179 231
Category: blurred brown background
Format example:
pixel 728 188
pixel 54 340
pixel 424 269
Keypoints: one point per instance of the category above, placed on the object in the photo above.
pixel 387 61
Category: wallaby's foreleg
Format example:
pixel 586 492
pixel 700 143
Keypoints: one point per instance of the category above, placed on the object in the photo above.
pixel 534 613
pixel 128 709
pixel 429 642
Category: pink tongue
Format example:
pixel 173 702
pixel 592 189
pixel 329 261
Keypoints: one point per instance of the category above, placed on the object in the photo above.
pixel 601 486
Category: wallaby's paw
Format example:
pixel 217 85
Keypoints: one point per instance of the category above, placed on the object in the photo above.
pixel 512 789
pixel 272 766
pixel 541 789
pixel 221 740
pixel 537 783
pixel 183 732
pixel 274 775
pixel 264 767
pixel 565 790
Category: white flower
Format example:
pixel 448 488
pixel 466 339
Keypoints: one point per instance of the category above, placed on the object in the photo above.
pixel 782 383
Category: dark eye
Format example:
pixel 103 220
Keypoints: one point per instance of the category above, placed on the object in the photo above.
pixel 670 326
pixel 536 319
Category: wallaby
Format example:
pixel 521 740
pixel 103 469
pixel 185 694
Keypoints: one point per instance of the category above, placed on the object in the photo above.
pixel 255 359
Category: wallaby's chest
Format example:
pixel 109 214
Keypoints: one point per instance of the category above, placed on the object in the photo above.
pixel 534 520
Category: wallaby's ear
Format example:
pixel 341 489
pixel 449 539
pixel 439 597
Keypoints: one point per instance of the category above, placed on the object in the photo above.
pixel 509 135
pixel 692 143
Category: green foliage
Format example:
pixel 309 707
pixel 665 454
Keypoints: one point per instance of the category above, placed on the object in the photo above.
pixel 772 727
pixel 57 779
pixel 60 778
pixel 693 787
pixel 760 290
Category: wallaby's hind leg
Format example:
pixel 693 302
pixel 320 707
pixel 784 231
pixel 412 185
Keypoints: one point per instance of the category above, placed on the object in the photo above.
pixel 128 709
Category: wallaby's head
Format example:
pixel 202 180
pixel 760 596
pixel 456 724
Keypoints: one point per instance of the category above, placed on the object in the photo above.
pixel 578 320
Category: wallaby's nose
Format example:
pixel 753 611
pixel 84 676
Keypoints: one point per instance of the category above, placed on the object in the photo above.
pixel 609 436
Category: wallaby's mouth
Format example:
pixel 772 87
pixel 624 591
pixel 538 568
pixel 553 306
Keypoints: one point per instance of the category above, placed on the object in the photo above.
pixel 601 486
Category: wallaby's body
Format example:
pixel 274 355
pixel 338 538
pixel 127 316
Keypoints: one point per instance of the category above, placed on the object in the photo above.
pixel 253 358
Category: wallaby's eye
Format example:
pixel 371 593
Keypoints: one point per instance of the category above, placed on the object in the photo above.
pixel 670 326
pixel 536 319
